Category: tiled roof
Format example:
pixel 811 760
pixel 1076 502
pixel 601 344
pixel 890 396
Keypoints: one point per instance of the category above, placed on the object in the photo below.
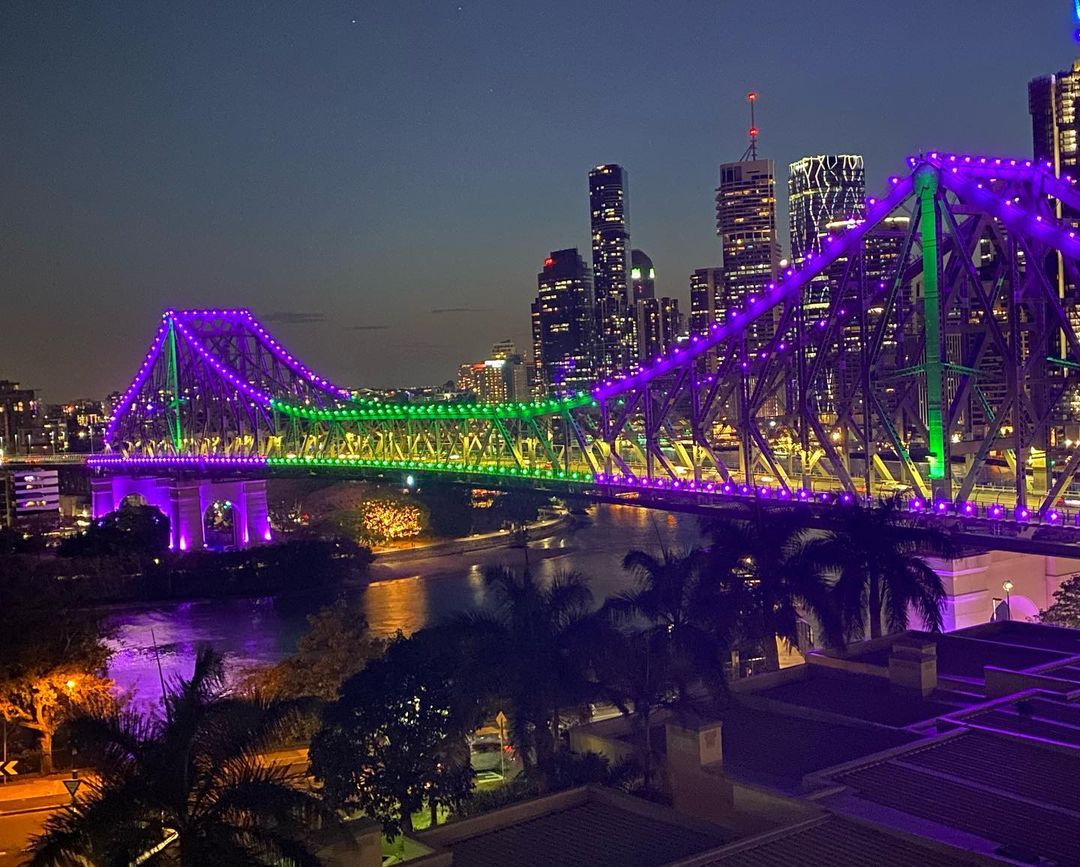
pixel 1036 717
pixel 586 835
pixel 778 750
pixel 835 841
pixel 860 696
pixel 1010 792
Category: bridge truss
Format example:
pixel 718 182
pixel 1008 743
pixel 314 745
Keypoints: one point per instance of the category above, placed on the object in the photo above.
pixel 930 349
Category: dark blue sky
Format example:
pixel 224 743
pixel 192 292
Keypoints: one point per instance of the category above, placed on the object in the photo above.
pixel 384 178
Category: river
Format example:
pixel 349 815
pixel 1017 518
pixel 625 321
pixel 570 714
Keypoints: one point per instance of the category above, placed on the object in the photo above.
pixel 402 595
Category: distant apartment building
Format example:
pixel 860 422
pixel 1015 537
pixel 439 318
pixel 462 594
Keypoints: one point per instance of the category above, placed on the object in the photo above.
pixel 19 422
pixel 499 379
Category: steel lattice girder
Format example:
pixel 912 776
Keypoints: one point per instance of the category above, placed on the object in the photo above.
pixel 837 398
pixel 859 391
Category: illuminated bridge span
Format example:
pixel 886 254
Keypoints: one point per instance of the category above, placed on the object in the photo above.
pixel 930 349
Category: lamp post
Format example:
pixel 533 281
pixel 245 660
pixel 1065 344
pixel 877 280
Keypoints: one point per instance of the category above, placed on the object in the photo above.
pixel 1007 586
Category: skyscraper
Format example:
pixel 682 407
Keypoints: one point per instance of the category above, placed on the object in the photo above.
pixel 1055 125
pixel 746 224
pixel 657 325
pixel 609 211
pixel 564 324
pixel 642 276
pixel 706 307
pixel 821 190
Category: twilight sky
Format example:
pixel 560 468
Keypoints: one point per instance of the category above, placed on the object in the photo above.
pixel 380 180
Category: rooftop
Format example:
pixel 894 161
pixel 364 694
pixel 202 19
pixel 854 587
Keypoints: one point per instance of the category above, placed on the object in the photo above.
pixel 859 696
pixel 579 828
pixel 992 793
pixel 834 840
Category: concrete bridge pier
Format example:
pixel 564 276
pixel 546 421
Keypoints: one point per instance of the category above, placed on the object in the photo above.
pixel 186 504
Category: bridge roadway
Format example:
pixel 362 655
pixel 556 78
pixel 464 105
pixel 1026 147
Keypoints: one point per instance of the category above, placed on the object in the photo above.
pixel 1059 537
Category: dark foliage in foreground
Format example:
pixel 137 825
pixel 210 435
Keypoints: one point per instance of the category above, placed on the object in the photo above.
pixel 196 774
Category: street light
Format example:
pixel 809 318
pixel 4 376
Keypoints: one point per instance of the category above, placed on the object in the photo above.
pixel 1007 586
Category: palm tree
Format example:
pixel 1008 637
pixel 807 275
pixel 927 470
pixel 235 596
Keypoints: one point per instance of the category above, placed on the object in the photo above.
pixel 879 556
pixel 641 675
pixel 192 777
pixel 767 578
pixel 676 596
pixel 544 638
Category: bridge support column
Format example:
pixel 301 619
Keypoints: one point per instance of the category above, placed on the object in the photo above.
pixel 258 513
pixel 101 498
pixel 186 516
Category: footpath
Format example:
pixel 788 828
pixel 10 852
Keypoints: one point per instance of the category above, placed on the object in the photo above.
pixel 30 795
pixel 36 794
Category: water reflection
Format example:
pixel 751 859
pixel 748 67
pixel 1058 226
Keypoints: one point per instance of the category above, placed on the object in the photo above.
pixel 404 595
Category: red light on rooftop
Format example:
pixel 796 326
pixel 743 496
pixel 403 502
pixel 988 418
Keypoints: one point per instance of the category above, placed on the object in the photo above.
pixel 751 96
pixel 549 262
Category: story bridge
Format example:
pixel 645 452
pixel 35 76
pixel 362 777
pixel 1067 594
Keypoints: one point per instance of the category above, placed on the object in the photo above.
pixel 930 351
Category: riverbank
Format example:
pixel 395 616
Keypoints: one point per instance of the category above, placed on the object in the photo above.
pixel 481 542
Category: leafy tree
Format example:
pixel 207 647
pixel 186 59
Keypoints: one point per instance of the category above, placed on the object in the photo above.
pixel 1065 609
pixel 879 556
pixel 396 739
pixel 450 509
pixel 336 646
pixel 196 773
pixel 545 639
pixel 139 531
pixel 52 657
pixel 14 541
pixel 763 564
pixel 519 506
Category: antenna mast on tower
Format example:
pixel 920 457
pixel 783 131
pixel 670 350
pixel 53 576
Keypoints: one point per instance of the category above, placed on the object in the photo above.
pixel 751 151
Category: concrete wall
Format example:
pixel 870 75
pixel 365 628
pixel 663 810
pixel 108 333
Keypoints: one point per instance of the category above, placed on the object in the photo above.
pixel 972 584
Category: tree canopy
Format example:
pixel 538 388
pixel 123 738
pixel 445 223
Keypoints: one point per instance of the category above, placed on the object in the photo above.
pixel 396 738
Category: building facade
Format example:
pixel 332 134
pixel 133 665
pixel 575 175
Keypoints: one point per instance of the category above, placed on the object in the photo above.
pixel 706 307
pixel 564 324
pixel 658 324
pixel 18 418
pixel 609 222
pixel 824 192
pixel 746 224
pixel 642 276
pixel 1055 128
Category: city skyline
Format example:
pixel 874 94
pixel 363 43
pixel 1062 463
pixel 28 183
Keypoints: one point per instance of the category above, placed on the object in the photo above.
pixel 337 275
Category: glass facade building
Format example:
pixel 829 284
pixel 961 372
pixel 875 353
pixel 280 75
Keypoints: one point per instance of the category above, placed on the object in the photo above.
pixel 608 217
pixel 746 224
pixel 564 324
pixel 822 190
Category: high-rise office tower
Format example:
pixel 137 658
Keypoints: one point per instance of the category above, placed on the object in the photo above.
pixel 657 326
pixel 824 189
pixel 706 298
pixel 821 190
pixel 642 276
pixel 746 224
pixel 1055 131
pixel 1055 125
pixel 564 324
pixel 609 211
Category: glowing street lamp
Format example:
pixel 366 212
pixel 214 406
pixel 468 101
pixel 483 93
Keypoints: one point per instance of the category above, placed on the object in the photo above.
pixel 1007 586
